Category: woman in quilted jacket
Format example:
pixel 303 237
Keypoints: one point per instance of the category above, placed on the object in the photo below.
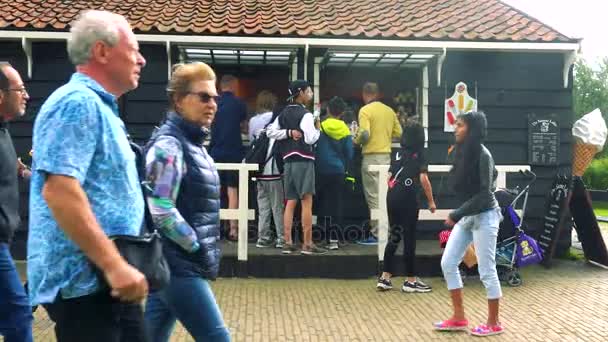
pixel 184 202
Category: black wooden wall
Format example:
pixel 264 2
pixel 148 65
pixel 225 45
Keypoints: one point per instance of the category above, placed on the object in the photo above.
pixel 509 87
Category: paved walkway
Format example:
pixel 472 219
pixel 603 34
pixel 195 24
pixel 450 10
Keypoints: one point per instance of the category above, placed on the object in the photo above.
pixel 566 303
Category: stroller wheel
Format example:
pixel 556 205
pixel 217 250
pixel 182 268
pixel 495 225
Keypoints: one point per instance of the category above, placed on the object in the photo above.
pixel 514 279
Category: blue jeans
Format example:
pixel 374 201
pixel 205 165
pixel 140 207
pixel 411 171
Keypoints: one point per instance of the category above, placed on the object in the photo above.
pixel 15 311
pixel 192 302
pixel 482 230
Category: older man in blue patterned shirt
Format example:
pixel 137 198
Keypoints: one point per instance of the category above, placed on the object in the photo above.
pixel 85 187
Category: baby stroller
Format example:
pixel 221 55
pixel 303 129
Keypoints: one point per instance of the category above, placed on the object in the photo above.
pixel 510 232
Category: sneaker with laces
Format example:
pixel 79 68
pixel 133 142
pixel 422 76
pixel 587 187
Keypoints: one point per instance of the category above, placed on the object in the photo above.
pixel 333 245
pixel 279 244
pixel 417 286
pixel 313 250
pixel 384 284
pixel 263 244
pixel 289 249
pixel 370 241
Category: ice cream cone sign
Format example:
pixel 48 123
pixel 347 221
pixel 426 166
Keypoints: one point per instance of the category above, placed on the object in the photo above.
pixel 461 102
pixel 589 134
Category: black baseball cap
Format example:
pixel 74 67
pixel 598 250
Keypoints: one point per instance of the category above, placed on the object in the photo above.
pixel 295 87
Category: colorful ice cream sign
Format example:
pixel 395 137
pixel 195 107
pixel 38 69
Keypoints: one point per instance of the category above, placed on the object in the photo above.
pixel 461 102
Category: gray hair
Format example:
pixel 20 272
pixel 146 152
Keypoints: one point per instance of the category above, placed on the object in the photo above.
pixel 90 27
pixel 4 82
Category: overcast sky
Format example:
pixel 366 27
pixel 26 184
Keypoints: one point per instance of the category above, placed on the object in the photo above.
pixel 575 18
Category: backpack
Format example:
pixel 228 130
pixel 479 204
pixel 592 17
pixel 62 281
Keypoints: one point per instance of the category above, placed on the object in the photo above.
pixel 257 152
pixel 258 149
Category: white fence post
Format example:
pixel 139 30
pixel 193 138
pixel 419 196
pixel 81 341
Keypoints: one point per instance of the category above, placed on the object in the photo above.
pixel 243 214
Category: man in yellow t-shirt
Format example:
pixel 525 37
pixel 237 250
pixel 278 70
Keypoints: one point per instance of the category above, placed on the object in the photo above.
pixel 378 125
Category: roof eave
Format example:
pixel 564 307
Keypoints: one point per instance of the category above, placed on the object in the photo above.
pixel 373 43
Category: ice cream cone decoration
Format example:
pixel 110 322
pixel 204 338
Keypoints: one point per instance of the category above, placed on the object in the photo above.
pixel 589 137
pixel 461 102
pixel 582 157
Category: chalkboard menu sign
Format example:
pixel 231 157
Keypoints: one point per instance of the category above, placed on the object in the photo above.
pixel 543 140
pixel 556 217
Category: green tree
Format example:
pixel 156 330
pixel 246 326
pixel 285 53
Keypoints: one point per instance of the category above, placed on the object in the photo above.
pixel 590 91
pixel 590 87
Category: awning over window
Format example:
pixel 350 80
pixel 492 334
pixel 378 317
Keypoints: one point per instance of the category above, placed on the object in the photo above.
pixel 339 58
pixel 237 56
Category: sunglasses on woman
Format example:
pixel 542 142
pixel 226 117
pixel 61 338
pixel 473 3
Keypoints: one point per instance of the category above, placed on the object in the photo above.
pixel 205 97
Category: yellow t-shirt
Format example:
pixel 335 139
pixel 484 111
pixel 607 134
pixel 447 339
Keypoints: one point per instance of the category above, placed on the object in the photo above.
pixel 381 124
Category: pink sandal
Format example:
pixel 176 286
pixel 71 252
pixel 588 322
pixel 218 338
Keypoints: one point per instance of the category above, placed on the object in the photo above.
pixel 483 330
pixel 451 325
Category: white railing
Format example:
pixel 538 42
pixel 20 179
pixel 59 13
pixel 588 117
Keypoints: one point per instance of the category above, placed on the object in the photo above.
pixel 381 216
pixel 243 214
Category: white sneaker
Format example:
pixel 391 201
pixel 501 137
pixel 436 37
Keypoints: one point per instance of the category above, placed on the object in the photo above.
pixel 333 245
pixel 417 286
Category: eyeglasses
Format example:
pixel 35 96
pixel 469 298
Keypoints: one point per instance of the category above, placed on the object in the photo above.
pixel 205 97
pixel 21 90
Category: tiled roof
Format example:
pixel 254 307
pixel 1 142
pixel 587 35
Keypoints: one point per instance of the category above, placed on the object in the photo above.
pixel 471 20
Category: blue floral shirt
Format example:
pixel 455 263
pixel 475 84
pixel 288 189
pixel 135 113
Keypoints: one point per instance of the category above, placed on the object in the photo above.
pixel 78 133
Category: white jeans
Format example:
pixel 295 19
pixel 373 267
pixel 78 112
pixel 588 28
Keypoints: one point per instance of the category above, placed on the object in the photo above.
pixel 482 230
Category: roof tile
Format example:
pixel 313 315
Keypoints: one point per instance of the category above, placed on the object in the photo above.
pixel 411 19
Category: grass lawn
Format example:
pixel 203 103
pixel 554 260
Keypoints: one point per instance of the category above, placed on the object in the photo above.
pixel 600 208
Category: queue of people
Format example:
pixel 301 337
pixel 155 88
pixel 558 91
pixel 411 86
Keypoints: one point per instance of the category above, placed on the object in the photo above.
pixel 320 152
pixel 85 189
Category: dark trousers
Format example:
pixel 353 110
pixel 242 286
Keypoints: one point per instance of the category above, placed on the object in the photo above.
pixel 329 204
pixel 15 311
pixel 96 318
pixel 402 209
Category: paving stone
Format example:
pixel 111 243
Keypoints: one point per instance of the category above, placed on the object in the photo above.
pixel 568 302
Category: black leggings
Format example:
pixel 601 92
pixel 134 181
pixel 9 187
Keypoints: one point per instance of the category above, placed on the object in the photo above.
pixel 329 204
pixel 402 209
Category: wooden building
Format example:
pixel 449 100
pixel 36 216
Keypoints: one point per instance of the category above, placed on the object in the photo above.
pixel 513 64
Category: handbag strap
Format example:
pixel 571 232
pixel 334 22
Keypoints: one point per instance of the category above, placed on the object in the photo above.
pixel 396 176
pixel 148 226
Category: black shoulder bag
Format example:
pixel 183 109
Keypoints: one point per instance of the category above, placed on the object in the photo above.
pixel 144 252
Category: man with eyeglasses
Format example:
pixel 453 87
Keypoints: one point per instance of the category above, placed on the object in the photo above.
pixel 15 310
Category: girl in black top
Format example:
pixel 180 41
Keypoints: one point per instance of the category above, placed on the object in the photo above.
pixel 407 173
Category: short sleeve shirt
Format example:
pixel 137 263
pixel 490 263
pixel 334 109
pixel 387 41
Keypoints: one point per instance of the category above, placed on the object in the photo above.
pixel 411 164
pixel 226 145
pixel 78 133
